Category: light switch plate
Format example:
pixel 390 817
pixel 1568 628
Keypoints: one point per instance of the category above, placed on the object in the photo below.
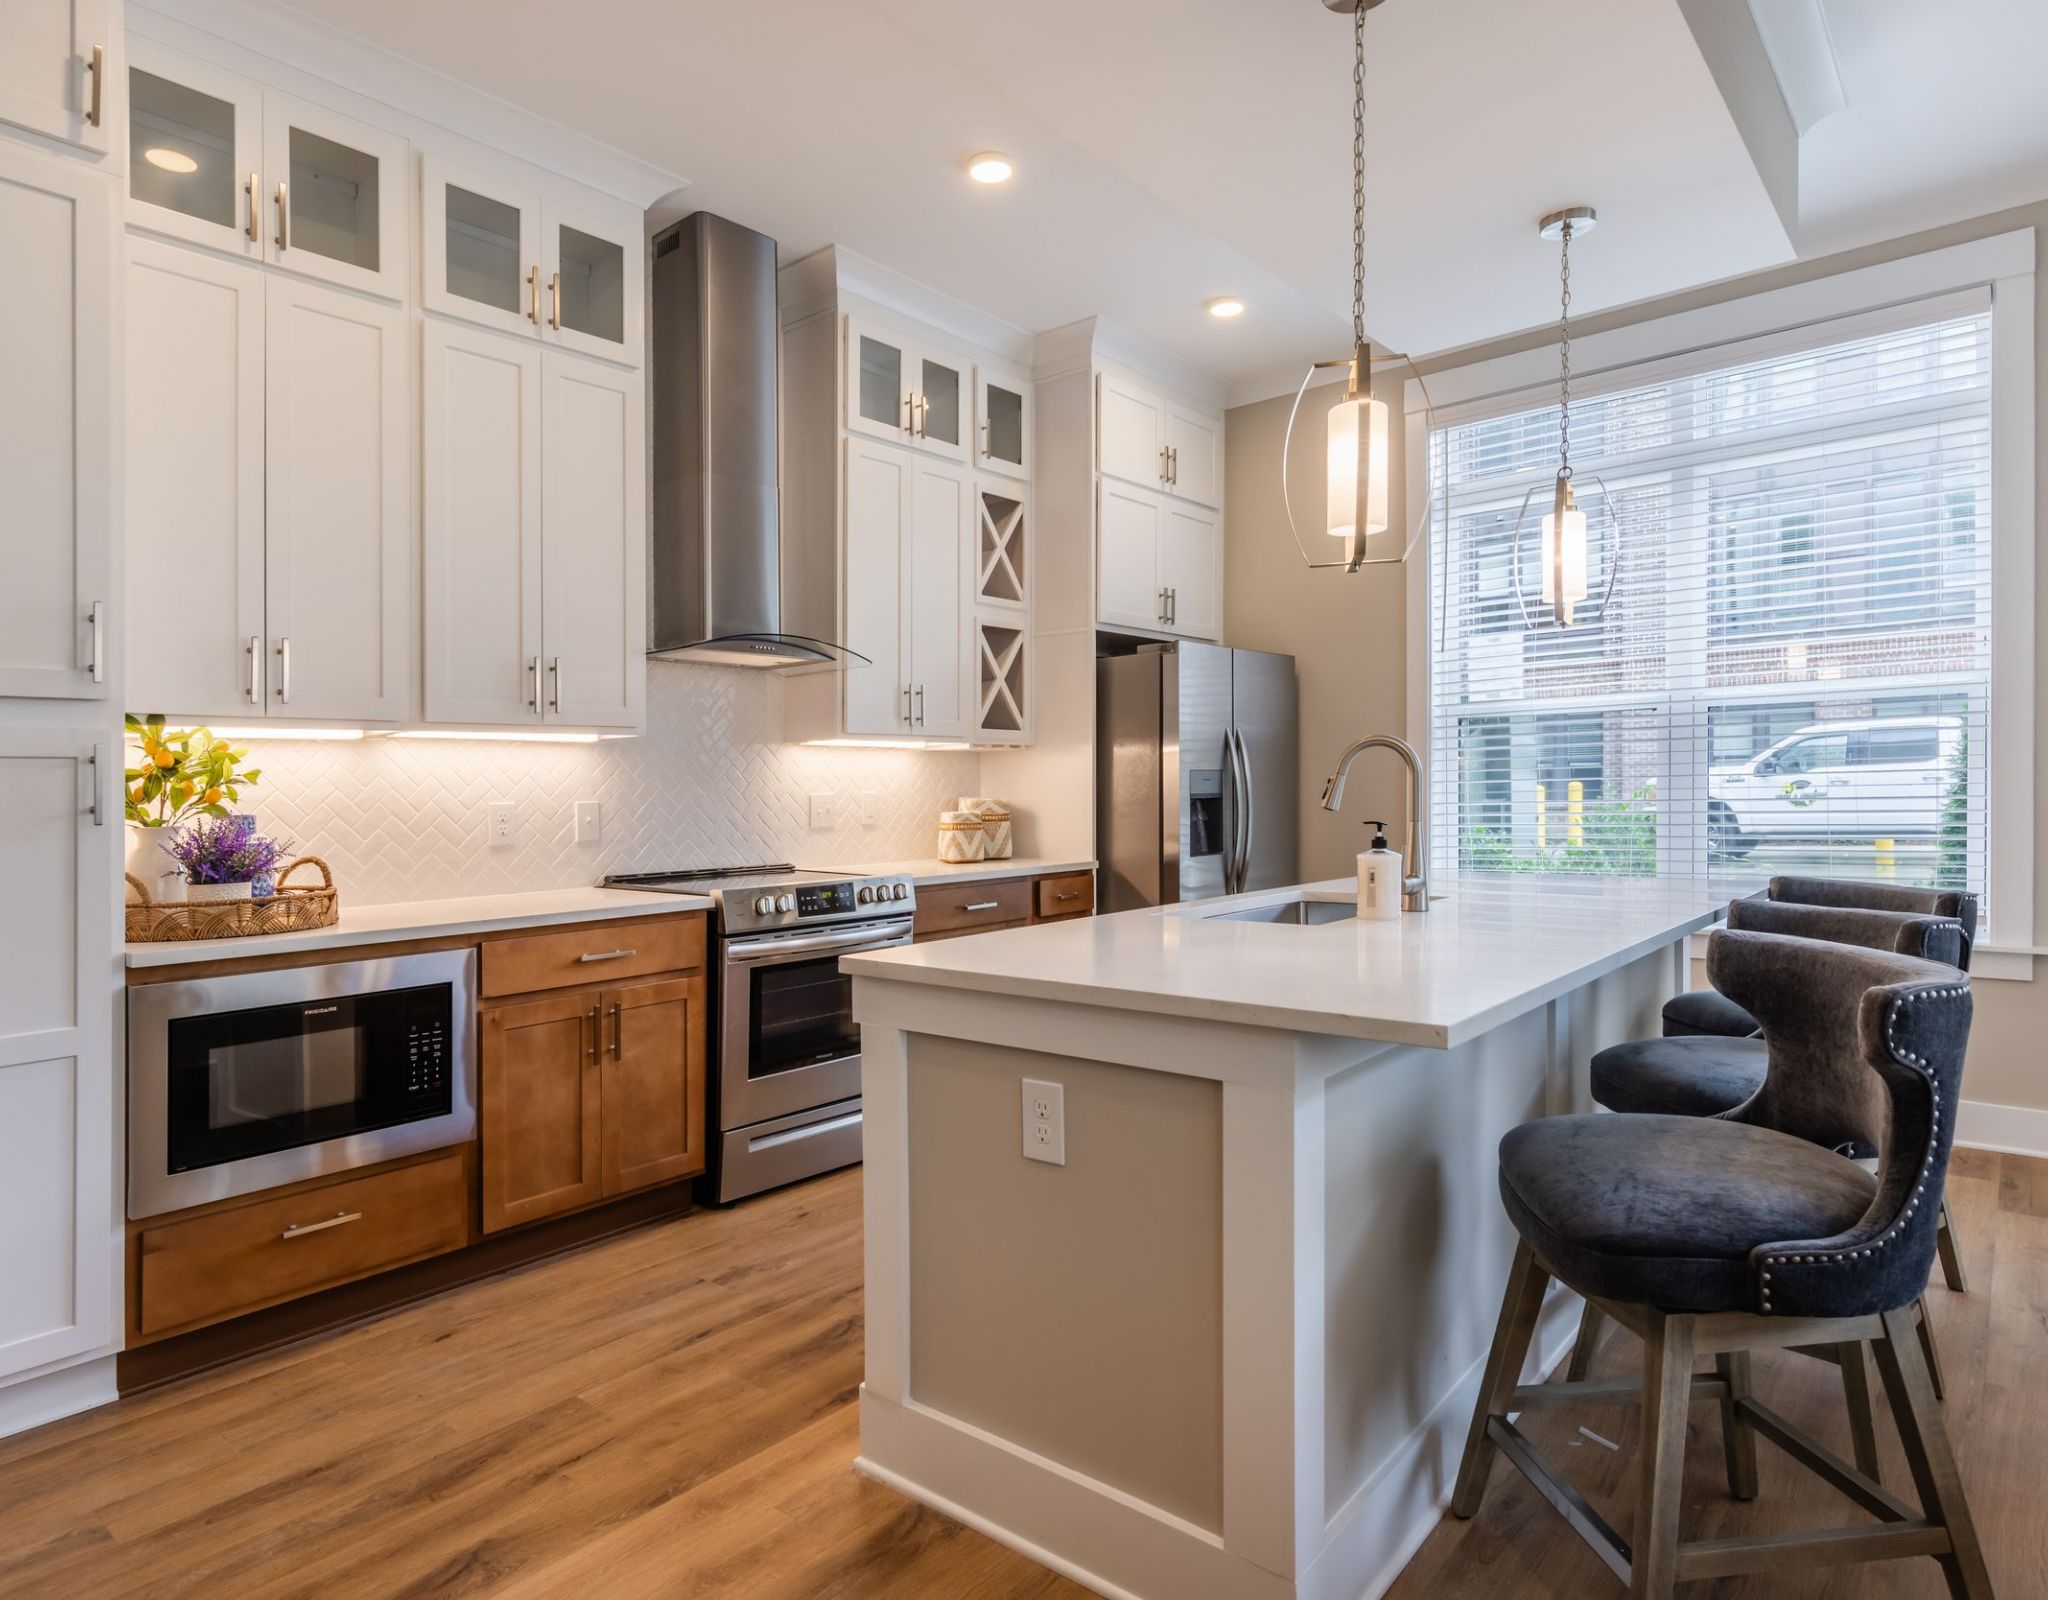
pixel 870 808
pixel 824 810
pixel 501 822
pixel 1045 1122
pixel 589 822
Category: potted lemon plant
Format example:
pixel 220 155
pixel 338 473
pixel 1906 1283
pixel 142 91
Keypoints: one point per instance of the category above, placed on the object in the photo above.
pixel 178 775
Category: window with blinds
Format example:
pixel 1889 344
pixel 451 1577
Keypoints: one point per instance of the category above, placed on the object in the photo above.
pixel 1792 672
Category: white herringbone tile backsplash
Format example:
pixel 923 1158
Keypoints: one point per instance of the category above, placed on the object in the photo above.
pixel 709 784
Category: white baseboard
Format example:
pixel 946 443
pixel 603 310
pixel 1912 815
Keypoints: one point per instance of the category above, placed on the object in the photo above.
pixel 44 1398
pixel 2014 1130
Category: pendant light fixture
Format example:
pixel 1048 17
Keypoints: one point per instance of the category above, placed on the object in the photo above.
pixel 1355 506
pixel 1563 557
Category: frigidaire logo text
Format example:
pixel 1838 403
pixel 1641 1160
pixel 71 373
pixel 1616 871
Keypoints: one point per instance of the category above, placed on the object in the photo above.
pixel 318 1011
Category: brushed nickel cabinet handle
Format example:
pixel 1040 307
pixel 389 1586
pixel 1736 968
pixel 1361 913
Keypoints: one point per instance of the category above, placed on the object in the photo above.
pixel 284 670
pixel 98 762
pixel 596 1033
pixel 981 905
pixel 910 414
pixel 533 672
pixel 298 1230
pixel 95 664
pixel 987 436
pixel 555 302
pixel 906 705
pixel 533 295
pixel 618 1030
pixel 555 684
pixel 284 215
pixel 606 955
pixel 920 705
pixel 254 206
pixel 98 68
pixel 254 651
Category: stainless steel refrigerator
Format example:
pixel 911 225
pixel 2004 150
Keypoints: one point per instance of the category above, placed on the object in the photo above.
pixel 1197 752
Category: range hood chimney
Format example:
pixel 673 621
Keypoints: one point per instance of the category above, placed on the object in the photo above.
pixel 717 569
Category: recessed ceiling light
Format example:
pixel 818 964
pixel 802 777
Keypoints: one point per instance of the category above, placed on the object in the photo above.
pixel 1226 306
pixel 169 160
pixel 991 166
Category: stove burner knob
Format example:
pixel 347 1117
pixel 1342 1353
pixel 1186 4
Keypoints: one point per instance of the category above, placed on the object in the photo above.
pixel 900 891
pixel 865 896
pixel 764 905
pixel 785 902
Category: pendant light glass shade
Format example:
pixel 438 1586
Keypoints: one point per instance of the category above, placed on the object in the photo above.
pixel 1357 472
pixel 1564 554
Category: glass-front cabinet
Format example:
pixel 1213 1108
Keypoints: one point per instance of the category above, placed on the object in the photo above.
pixel 1002 441
pixel 907 391
pixel 336 191
pixel 593 264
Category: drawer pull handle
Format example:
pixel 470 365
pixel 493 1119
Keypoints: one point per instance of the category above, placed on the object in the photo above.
pixel 1068 894
pixel 300 1229
pixel 606 955
pixel 982 905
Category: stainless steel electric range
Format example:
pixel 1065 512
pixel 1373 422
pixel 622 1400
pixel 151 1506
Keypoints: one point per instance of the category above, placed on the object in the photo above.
pixel 785 1095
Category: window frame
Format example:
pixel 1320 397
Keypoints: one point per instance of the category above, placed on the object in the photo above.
pixel 1750 327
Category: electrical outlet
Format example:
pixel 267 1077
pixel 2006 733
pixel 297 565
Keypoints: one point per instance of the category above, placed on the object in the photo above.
pixel 1045 1122
pixel 824 810
pixel 502 817
pixel 870 808
pixel 589 822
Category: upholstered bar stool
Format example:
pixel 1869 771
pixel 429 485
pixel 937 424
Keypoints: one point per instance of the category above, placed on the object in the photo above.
pixel 1722 1236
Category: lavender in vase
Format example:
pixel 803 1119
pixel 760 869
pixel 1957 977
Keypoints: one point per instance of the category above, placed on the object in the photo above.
pixel 225 858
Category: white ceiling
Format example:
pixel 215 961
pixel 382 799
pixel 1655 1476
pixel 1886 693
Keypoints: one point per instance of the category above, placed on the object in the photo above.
pixel 1170 153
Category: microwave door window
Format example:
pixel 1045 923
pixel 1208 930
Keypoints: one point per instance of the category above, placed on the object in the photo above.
pixel 802 1016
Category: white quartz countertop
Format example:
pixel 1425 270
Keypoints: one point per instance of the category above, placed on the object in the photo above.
pixel 427 919
pixel 1493 949
pixel 929 871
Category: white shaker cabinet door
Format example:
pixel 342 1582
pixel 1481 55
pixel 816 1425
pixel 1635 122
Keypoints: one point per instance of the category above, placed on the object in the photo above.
pixel 338 494
pixel 1131 432
pixel 1194 459
pixel 593 543
pixel 878 498
pixel 481 537
pixel 1128 584
pixel 195 483
pixel 937 577
pixel 56 1047
pixel 1189 552
pixel 56 381
pixel 55 57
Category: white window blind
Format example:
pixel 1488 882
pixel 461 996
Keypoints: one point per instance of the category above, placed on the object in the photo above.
pixel 1793 671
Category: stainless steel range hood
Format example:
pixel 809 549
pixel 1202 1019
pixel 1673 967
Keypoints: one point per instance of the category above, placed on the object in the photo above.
pixel 716 570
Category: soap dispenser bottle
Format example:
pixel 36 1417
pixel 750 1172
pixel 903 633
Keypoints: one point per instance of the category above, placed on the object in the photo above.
pixel 1379 879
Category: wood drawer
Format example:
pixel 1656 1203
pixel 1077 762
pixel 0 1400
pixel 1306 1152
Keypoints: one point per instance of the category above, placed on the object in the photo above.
pixel 224 1262
pixel 601 952
pixel 966 907
pixel 1070 894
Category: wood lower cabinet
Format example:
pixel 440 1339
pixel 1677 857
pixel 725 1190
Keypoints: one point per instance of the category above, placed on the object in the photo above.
pixel 985 905
pixel 539 1095
pixel 651 1085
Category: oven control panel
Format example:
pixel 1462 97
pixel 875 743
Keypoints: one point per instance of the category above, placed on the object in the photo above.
pixel 774 906
pixel 824 899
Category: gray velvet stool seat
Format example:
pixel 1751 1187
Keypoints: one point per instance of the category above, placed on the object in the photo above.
pixel 1721 1237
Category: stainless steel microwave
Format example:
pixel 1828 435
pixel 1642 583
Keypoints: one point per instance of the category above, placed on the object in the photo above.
pixel 246 1082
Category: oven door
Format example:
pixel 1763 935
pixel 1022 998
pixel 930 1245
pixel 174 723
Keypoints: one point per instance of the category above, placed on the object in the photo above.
pixel 246 1082
pixel 787 1039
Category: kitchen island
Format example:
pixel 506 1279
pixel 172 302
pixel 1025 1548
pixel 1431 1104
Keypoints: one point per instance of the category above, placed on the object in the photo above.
pixel 1229 1344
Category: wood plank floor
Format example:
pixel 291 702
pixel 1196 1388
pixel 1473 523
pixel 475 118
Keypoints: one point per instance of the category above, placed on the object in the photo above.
pixel 672 1414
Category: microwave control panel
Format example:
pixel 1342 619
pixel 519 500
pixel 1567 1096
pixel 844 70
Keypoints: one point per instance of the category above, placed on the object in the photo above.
pixel 426 1059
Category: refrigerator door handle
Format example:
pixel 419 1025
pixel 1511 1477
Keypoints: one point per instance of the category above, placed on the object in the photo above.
pixel 1247 817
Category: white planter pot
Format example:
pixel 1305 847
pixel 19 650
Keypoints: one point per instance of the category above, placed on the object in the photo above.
pixel 150 863
pixel 216 891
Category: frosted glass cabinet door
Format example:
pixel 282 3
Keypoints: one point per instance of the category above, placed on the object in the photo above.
pixel 54 58
pixel 56 377
pixel 593 277
pixel 945 396
pixel 195 151
pixel 335 193
pixel 56 1066
pixel 879 383
pixel 1002 441
pixel 480 248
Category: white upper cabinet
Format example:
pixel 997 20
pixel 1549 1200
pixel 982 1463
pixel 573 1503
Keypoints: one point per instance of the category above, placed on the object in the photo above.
pixel 56 466
pixel 1190 557
pixel 195 151
pixel 593 546
pixel 54 59
pixel 911 391
pixel 1129 592
pixel 480 246
pixel 1002 438
pixel 937 576
pixel 337 197
pixel 338 505
pixel 1131 441
pixel 878 492
pixel 1194 454
pixel 195 482
pixel 593 267
pixel 481 433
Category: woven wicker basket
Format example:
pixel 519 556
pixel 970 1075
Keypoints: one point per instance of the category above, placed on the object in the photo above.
pixel 295 908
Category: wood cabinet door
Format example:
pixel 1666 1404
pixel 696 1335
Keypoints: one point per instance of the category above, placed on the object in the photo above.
pixel 195 483
pixel 1128 585
pixel 56 440
pixel 878 494
pixel 1131 432
pixel 593 509
pixel 480 433
pixel 653 1083
pixel 338 500
pixel 1194 442
pixel 1189 555
pixel 937 577
pixel 539 1106
pixel 55 49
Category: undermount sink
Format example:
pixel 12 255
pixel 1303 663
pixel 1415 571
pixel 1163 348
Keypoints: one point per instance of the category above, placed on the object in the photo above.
pixel 1295 913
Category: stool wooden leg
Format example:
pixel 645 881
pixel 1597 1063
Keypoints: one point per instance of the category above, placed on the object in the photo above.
pixel 1738 1438
pixel 1908 1383
pixel 1527 1279
pixel 1862 1423
pixel 1667 1394
pixel 1591 1321
pixel 1928 1349
pixel 1951 1253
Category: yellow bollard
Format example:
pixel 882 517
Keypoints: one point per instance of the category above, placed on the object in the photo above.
pixel 1575 811
pixel 1887 859
pixel 1542 818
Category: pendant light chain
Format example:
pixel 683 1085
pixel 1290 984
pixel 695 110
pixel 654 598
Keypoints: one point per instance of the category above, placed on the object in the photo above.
pixel 1358 184
pixel 1564 345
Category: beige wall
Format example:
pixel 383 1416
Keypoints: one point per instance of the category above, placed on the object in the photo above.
pixel 1348 632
